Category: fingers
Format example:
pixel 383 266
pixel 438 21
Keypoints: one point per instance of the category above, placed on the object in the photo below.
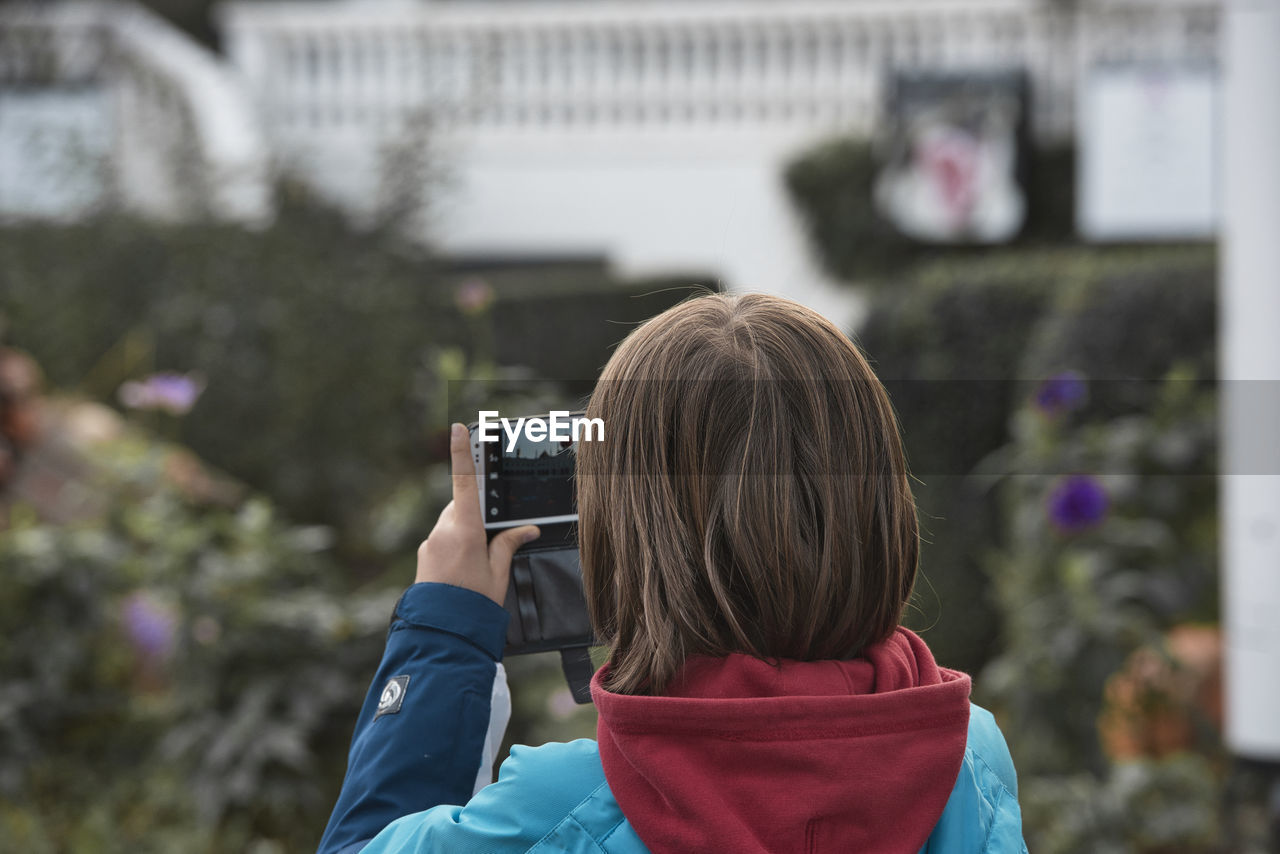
pixel 503 546
pixel 466 499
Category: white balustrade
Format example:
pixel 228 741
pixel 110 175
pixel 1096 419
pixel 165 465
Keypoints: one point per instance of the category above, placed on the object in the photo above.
pixel 550 66
pixel 650 132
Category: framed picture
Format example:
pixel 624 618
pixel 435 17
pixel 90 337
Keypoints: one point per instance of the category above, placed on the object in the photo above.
pixel 954 154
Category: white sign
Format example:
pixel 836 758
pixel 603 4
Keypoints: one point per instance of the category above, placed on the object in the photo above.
pixel 1147 143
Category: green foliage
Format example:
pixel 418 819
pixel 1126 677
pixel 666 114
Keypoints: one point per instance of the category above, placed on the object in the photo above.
pixel 1076 603
pixel 309 335
pixel 1141 806
pixel 327 351
pixel 1126 315
pixel 961 345
pixel 331 358
pixel 176 677
pixel 943 350
pixel 831 186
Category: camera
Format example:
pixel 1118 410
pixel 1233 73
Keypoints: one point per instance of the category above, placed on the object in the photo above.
pixel 524 474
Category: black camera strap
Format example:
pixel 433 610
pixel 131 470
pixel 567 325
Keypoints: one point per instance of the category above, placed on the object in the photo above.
pixel 578 670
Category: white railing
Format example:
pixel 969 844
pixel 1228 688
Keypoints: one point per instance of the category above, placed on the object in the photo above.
pixel 184 140
pixel 649 132
pixel 697 64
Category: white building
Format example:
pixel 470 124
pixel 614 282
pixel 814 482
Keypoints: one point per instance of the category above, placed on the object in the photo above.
pixel 652 134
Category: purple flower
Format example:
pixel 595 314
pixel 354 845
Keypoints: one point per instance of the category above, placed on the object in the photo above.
pixel 1077 503
pixel 150 625
pixel 174 393
pixel 473 296
pixel 1060 393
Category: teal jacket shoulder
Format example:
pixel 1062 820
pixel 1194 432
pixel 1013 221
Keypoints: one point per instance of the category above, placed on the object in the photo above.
pixel 546 799
pixel 554 798
pixel 982 814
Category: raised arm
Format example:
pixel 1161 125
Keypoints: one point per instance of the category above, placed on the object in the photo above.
pixel 420 736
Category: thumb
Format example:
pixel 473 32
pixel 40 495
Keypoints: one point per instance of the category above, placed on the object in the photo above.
pixel 503 546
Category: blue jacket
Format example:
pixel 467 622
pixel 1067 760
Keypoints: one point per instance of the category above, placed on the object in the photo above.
pixel 420 739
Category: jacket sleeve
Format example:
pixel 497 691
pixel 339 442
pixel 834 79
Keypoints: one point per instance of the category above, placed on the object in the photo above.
pixel 421 732
pixel 549 799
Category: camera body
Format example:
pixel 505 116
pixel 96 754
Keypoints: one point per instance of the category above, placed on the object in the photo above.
pixel 524 475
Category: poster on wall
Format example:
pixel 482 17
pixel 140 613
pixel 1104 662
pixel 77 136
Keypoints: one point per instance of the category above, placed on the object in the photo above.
pixel 1146 145
pixel 953 155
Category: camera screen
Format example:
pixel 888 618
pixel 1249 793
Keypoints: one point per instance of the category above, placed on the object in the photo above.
pixel 530 481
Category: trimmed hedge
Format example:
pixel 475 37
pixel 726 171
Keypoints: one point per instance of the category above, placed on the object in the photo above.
pixel 961 344
pixel 321 345
pixel 178 677
pixel 307 333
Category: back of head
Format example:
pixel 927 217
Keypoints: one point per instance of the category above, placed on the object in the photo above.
pixel 750 494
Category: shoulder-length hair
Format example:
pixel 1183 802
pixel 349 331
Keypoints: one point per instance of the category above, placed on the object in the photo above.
pixel 750 494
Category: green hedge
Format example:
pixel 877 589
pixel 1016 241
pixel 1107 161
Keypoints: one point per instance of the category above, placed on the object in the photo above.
pixel 177 677
pixel 944 351
pixel 308 335
pixel 322 346
pixel 1076 599
pixel 961 344
pixel 1043 616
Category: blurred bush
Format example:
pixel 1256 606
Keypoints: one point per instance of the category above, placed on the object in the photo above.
pixel 206 663
pixel 568 334
pixel 1109 539
pixel 831 186
pixel 327 351
pixel 1141 805
pixel 1011 372
pixel 308 333
pixel 1167 698
pixel 961 345
pixel 944 348
pixel 177 677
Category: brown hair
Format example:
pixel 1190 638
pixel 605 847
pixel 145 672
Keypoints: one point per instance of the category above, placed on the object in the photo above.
pixel 750 494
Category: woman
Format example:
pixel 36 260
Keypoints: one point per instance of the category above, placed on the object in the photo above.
pixel 749 541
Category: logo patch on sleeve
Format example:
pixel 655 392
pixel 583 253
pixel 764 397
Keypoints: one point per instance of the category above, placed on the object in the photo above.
pixel 392 696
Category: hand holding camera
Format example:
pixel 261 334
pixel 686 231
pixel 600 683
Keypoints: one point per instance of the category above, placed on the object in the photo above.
pixel 457 551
